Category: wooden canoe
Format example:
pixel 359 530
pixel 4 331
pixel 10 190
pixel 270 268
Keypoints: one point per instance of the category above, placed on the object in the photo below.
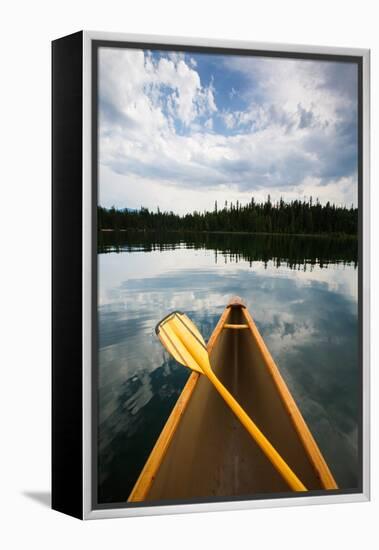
pixel 203 451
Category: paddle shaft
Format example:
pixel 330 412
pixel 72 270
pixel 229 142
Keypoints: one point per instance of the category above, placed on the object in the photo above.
pixel 276 460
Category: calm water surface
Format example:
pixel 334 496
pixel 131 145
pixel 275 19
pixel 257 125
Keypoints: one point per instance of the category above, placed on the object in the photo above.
pixel 302 293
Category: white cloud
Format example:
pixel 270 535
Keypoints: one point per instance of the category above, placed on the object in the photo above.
pixel 134 83
pixel 158 128
pixel 209 124
pixel 322 87
pixel 136 191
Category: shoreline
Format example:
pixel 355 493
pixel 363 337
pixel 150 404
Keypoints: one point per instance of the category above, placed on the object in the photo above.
pixel 312 235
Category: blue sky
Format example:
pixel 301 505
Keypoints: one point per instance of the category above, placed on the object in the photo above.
pixel 180 131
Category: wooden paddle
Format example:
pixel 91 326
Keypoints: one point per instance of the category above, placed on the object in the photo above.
pixel 183 341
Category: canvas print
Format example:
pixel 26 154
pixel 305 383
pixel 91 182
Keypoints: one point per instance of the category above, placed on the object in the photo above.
pixel 227 355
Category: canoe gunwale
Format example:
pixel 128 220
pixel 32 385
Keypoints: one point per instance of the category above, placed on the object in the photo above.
pixel 155 459
pixel 310 446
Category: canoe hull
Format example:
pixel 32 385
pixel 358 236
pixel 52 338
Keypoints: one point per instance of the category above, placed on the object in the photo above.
pixel 207 452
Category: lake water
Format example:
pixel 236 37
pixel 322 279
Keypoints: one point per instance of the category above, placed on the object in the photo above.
pixel 302 293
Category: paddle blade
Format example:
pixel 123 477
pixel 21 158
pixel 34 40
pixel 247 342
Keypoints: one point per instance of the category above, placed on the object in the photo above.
pixel 182 339
pixel 169 340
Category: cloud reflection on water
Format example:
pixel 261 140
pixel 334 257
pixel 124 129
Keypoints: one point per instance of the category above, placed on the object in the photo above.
pixel 308 319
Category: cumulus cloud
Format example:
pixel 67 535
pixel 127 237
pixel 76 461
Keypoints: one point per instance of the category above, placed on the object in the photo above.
pixel 150 92
pixel 292 134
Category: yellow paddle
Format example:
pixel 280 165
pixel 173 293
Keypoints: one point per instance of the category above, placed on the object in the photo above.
pixel 183 341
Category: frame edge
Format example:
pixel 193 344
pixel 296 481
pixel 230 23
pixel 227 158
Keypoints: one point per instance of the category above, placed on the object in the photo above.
pixel 364 495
